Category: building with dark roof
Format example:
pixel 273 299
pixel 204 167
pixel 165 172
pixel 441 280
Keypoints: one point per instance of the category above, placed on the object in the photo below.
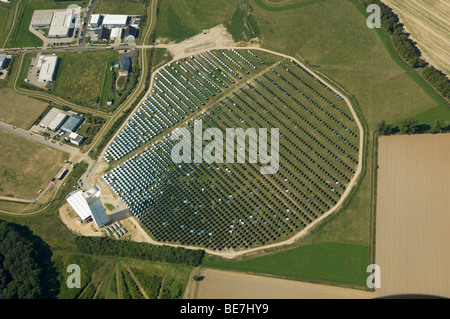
pixel 103 34
pixel 73 123
pixel 126 61
pixel 131 33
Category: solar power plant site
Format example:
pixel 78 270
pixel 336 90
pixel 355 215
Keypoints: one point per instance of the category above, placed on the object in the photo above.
pixel 232 206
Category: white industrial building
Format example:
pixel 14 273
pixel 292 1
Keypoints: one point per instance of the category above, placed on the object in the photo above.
pixel 115 20
pixel 75 138
pixel 47 65
pixel 3 62
pixel 41 19
pixel 96 21
pixel 58 121
pixel 116 34
pixel 53 120
pixel 62 23
pixel 88 205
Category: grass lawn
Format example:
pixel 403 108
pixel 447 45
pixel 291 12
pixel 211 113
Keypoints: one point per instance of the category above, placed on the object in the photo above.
pixel 285 4
pixel 325 263
pixel 81 76
pixel 26 166
pixel 6 19
pixel 129 7
pixel 109 207
pixel 181 19
pixel 19 110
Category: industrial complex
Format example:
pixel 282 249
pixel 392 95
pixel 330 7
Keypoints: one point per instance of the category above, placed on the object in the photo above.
pixel 64 125
pixel 60 23
pixel 47 65
pixel 114 27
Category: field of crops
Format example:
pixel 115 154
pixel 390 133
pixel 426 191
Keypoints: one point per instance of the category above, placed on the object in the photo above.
pixel 233 206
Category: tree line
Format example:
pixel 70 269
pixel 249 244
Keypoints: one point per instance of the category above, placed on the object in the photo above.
pixel 145 251
pixel 408 49
pixel 413 127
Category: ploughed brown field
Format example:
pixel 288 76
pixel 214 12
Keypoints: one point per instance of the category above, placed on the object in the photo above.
pixel 413 214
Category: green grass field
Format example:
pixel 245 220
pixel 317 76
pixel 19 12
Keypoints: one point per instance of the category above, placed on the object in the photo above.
pixel 24 173
pixel 329 263
pixel 6 19
pixel 129 7
pixel 181 19
pixel 81 76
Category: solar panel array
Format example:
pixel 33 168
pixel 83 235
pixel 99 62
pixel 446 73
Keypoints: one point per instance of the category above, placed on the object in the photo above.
pixel 233 206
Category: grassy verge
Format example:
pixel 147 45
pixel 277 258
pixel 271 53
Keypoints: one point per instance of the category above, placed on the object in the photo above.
pixel 329 263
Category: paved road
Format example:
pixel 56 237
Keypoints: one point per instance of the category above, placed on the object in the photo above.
pixel 74 49
pixel 87 18
pixel 72 151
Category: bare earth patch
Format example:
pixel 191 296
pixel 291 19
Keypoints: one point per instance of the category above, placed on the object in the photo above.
pixel 26 166
pixel 428 24
pixel 413 216
pixel 214 38
pixel 73 222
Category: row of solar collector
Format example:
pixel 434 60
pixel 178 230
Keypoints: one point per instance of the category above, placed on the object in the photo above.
pixel 125 144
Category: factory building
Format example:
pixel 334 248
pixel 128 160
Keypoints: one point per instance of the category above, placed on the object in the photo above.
pixel 41 19
pixel 3 62
pixel 115 20
pixel 96 21
pixel 130 34
pixel 116 34
pixel 88 206
pixel 76 139
pixel 54 119
pixel 73 123
pixel 47 65
pixel 62 25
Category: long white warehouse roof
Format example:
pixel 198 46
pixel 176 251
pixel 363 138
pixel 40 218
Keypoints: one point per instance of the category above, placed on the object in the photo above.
pixel 61 23
pixel 48 67
pixel 56 123
pixel 115 19
pixel 49 117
